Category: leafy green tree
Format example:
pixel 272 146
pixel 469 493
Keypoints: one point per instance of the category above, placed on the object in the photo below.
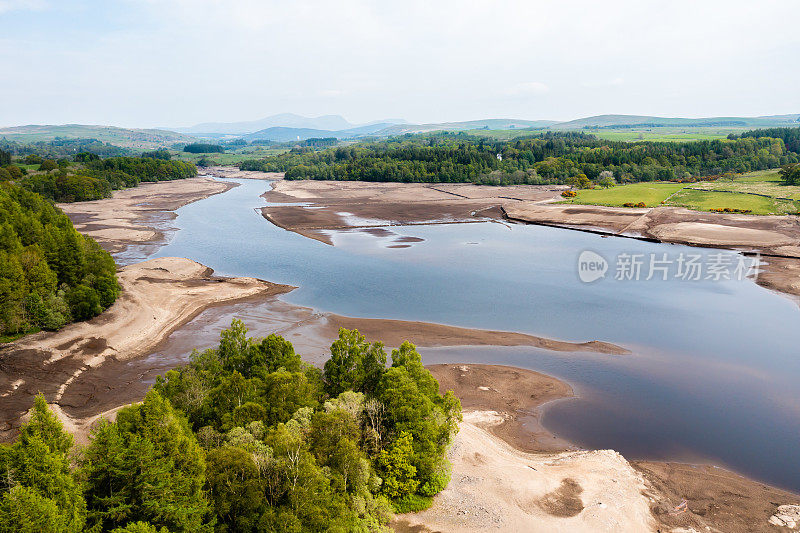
pixel 398 472
pixel 354 364
pixel 790 174
pixel 147 466
pixel 24 510
pixel 140 527
pixel 37 482
pixel 48 165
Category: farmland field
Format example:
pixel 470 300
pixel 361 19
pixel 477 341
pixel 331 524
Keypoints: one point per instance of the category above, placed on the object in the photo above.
pixel 652 194
pixel 707 200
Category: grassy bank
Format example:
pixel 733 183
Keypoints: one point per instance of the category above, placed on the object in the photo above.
pixel 758 193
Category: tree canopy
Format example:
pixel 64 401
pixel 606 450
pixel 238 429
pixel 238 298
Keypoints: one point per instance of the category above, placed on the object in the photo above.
pixel 49 273
pixel 96 178
pixel 246 438
pixel 203 148
pixel 545 158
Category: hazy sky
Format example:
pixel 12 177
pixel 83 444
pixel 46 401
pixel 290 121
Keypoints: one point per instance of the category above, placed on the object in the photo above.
pixel 178 62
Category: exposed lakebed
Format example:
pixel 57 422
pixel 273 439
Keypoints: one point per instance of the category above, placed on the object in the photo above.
pixel 714 371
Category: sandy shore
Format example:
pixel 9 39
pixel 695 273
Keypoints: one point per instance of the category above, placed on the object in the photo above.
pixel 139 215
pixel 158 296
pixel 497 485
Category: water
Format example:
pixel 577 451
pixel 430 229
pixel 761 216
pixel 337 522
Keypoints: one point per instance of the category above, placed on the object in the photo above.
pixel 713 375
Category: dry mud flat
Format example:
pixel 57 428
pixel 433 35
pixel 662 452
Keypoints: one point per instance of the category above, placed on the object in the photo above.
pixel 511 475
pixel 138 215
pixel 157 297
pixel 234 172
pixel 375 207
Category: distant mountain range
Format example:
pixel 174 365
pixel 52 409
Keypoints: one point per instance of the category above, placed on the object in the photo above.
pixel 288 127
pixel 283 120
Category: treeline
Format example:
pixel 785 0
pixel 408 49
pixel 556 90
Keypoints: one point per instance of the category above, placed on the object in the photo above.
pixel 203 148
pixel 49 273
pixel 96 178
pixel 57 148
pixel 541 159
pixel 245 438
pixel 789 136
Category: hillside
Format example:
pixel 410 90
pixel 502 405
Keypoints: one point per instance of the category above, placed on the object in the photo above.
pixel 625 121
pixel 139 139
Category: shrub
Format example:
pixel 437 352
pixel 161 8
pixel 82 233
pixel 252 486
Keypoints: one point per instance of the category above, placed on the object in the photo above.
pixel 48 165
pixel 569 194
pixel 412 503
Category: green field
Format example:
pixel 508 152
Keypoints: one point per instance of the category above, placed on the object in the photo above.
pixel 652 194
pixel 741 192
pixel 766 182
pixel 233 157
pixel 665 134
pixel 707 200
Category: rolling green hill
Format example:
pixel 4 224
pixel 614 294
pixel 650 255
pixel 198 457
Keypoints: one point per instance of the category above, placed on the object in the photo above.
pixel 137 139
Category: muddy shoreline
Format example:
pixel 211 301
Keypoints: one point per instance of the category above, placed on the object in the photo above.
pixel 715 498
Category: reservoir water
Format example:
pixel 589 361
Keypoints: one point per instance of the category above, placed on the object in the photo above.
pixel 713 375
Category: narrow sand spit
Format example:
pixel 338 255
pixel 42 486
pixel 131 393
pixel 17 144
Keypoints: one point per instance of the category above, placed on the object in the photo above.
pixel 157 297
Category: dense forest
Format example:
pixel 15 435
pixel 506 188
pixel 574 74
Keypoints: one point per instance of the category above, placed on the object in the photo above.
pixel 789 136
pixel 245 438
pixel 58 148
pixel 203 148
pixel 541 159
pixel 49 273
pixel 94 178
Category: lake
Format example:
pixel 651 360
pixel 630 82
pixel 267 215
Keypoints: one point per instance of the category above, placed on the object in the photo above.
pixel 713 376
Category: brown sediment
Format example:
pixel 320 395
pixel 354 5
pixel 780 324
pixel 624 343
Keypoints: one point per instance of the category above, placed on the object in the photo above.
pixel 776 238
pixel 515 393
pixel 138 215
pixel 495 485
pixel 715 498
pixel 339 205
pixel 235 173
pixel 158 296
pixel 493 398
pixel 394 332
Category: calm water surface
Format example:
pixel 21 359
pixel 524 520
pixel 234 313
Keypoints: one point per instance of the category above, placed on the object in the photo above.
pixel 714 374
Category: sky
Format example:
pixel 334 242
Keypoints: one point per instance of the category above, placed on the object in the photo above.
pixel 172 63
